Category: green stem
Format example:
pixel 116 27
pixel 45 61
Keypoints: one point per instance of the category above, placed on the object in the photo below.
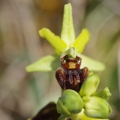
pixel 82 116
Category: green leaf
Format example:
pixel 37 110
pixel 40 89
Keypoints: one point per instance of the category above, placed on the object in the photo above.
pixel 93 65
pixel 81 40
pixel 58 44
pixel 68 33
pixel 48 63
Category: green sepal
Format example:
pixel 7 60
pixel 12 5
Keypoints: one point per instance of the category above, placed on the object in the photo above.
pixel 81 40
pixel 58 44
pixel 93 65
pixel 90 85
pixel 52 62
pixel 68 33
pixel 47 63
pixel 96 107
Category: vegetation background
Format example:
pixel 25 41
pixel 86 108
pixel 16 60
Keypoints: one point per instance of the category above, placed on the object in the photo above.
pixel 22 94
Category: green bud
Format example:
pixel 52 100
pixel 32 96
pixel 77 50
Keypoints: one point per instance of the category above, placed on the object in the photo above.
pixel 105 94
pixel 90 85
pixel 96 107
pixel 69 103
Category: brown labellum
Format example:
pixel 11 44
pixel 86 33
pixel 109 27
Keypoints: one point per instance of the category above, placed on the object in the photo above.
pixel 69 75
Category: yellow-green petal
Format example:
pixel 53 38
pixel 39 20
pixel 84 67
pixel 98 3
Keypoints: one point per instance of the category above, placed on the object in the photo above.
pixel 47 63
pixel 58 44
pixel 68 33
pixel 81 40
pixel 93 65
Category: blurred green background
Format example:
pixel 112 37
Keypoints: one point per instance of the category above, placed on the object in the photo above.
pixel 22 94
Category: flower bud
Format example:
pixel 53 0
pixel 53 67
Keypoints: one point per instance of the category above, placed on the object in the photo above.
pixel 69 103
pixel 96 107
pixel 105 94
pixel 90 85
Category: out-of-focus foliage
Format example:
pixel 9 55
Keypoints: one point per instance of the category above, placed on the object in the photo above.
pixel 22 94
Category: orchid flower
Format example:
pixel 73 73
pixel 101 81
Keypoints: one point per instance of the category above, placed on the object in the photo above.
pixel 62 44
pixel 87 104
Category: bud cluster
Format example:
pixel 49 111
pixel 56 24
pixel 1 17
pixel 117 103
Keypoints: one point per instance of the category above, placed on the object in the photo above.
pixel 87 103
